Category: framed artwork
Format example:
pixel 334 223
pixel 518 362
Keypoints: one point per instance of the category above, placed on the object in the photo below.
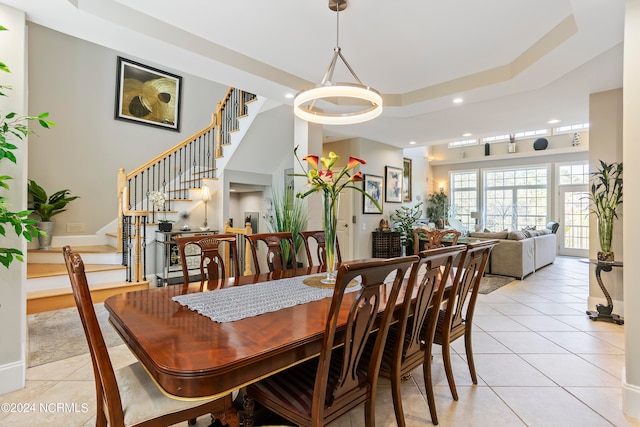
pixel 147 96
pixel 406 180
pixel 393 184
pixel 373 186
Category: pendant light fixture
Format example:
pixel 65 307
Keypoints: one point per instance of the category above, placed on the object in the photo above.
pixel 367 100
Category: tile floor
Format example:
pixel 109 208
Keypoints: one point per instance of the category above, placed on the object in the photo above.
pixel 540 362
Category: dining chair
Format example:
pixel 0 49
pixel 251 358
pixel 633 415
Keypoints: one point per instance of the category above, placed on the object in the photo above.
pixel 127 396
pixel 318 391
pixel 207 251
pixel 455 320
pixel 308 237
pixel 432 238
pixel 276 257
pixel 410 340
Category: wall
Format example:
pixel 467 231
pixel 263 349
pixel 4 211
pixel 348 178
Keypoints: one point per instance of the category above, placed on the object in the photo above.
pixel 12 281
pixel 605 117
pixel 75 82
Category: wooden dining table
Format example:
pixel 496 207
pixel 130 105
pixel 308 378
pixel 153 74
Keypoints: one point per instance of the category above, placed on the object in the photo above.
pixel 191 356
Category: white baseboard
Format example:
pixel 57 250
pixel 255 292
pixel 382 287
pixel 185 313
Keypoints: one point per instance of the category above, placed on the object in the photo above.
pixel 630 399
pixel 12 377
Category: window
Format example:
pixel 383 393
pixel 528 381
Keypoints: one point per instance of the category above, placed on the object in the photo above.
pixel 573 183
pixel 464 197
pixel 465 143
pixel 574 174
pixel 570 128
pixel 516 198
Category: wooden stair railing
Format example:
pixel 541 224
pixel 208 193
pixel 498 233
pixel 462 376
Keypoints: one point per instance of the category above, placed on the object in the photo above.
pixel 180 168
pixel 241 241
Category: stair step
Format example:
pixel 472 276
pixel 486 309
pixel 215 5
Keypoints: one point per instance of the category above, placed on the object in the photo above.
pixel 38 270
pixel 55 299
pixel 96 254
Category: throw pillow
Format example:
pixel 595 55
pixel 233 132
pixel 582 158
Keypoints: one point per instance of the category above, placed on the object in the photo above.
pixel 517 235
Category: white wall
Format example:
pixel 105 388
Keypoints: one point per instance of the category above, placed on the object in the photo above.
pixel 12 281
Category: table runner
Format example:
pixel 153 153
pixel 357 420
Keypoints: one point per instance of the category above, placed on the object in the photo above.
pixel 238 302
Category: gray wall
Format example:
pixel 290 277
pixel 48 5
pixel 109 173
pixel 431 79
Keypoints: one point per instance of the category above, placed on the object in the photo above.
pixel 75 82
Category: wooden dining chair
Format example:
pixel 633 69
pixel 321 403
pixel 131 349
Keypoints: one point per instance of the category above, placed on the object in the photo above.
pixel 410 340
pixel 206 251
pixel 276 258
pixel 308 238
pixel 318 391
pixel 455 320
pixel 432 238
pixel 127 396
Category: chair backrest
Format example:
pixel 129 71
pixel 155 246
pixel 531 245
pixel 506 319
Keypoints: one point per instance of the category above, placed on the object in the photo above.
pixel 276 257
pixel 432 238
pixel 360 316
pixel 428 280
pixel 319 238
pixel 210 252
pixel 107 392
pixel 244 250
pixel 466 283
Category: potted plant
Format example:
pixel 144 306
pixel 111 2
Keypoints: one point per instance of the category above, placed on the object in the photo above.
pixel 404 221
pixel 15 127
pixel 46 207
pixel 287 214
pixel 605 196
pixel 437 209
pixel 158 199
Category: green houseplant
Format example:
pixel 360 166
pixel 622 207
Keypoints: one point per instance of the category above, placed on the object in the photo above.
pixel 437 208
pixel 14 127
pixel 46 207
pixel 404 221
pixel 288 214
pixel 605 195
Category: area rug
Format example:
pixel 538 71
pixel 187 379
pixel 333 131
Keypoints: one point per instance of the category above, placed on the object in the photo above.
pixel 490 283
pixel 58 334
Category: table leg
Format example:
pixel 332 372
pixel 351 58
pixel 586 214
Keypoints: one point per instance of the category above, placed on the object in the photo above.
pixel 603 312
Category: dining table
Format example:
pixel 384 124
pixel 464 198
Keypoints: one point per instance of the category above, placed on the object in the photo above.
pixel 189 355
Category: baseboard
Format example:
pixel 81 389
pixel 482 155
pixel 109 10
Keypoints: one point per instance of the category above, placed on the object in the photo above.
pixel 630 399
pixel 56 299
pixel 12 377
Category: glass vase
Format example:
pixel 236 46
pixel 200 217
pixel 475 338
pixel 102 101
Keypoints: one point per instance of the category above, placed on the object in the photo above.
pixel 605 234
pixel 330 206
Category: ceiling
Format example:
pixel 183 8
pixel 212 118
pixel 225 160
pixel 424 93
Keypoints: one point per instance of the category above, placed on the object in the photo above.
pixel 516 64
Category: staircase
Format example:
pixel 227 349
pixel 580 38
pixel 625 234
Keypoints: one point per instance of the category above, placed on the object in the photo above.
pixel 119 263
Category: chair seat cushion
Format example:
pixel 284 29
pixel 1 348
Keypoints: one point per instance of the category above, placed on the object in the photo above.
pixel 142 399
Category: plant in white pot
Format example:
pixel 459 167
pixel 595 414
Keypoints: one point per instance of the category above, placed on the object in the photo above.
pixel 605 196
pixel 46 207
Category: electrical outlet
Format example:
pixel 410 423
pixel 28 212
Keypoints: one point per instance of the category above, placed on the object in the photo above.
pixel 364 227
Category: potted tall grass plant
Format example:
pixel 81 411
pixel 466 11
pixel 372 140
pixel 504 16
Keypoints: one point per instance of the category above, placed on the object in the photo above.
pixel 605 195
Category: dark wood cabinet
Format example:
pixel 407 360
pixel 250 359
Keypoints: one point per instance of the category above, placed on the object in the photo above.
pixel 386 244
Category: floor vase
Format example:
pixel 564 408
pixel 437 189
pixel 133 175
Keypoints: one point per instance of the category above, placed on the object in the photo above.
pixel 330 206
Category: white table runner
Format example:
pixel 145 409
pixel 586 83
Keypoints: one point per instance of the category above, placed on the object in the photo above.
pixel 238 302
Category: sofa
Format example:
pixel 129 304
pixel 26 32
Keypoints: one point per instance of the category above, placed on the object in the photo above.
pixel 519 253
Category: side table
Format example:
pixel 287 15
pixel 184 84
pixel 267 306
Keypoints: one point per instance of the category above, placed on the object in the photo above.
pixel 604 312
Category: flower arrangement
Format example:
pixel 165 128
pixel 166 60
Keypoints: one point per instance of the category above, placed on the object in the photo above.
pixel 158 199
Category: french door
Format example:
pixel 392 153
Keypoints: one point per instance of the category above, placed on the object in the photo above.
pixel 573 234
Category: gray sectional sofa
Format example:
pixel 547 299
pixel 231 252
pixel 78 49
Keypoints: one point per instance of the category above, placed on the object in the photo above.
pixel 519 253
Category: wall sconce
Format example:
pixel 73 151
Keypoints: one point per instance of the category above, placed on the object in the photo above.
pixel 441 187
pixel 205 197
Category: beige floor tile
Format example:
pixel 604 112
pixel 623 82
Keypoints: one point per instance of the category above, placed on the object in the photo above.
pixel 61 369
pixel 569 370
pixel 615 338
pixel 553 308
pixel 611 363
pixel 497 323
pixel 483 309
pixel 508 370
pixel 549 406
pixel 526 342
pixel 514 309
pixel 542 323
pixel 482 342
pixel 581 342
pixel 605 401
pixel 583 323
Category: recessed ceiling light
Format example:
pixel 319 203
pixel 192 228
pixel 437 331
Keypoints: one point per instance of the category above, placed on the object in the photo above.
pixel 412 143
pixel 553 121
pixel 466 134
pixel 289 95
pixel 458 100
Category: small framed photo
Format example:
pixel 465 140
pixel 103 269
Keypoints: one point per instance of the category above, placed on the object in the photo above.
pixel 147 96
pixel 406 180
pixel 373 186
pixel 393 184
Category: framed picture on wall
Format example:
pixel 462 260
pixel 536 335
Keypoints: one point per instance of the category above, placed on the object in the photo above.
pixel 373 186
pixel 147 96
pixel 393 184
pixel 406 180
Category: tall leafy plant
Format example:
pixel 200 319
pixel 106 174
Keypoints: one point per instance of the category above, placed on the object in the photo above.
pixel 14 128
pixel 288 214
pixel 605 195
pixel 405 220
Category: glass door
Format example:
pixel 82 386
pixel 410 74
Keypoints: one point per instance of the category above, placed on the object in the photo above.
pixel 573 234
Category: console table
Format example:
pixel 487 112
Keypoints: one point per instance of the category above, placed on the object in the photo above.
pixel 168 265
pixel 604 312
